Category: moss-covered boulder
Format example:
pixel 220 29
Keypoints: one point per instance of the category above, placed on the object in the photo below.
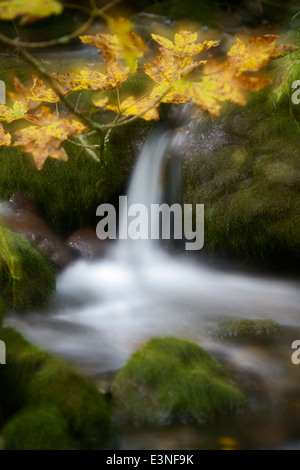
pixel 46 404
pixel 26 281
pixel 171 379
pixel 246 328
pixel 36 429
pixel 245 167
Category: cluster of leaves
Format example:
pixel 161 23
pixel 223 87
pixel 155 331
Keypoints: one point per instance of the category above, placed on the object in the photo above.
pixel 174 73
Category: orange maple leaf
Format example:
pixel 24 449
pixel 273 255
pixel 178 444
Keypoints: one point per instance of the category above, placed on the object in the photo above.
pixel 44 140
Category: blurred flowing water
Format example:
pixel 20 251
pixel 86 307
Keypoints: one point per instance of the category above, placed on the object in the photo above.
pixel 104 310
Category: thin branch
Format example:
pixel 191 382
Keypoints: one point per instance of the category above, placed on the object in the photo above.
pixel 86 146
pixel 55 87
pixel 137 116
pixel 52 42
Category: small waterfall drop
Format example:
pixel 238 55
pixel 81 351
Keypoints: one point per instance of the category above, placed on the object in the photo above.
pixel 105 309
pixel 145 187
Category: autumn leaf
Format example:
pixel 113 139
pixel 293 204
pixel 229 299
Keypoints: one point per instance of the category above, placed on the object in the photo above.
pixel 22 93
pixel 257 53
pixel 100 102
pixel 123 44
pixel 163 69
pixel 45 140
pixel 132 46
pixel 41 92
pixel 5 139
pixel 18 111
pixel 29 10
pixel 87 79
pixel 167 69
pixel 133 107
pixel 109 45
pixel 184 45
pixel 116 74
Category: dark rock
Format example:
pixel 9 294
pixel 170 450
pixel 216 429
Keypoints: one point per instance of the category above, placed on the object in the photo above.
pixel 86 244
pixel 20 217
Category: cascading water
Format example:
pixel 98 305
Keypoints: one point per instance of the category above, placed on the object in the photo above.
pixel 105 309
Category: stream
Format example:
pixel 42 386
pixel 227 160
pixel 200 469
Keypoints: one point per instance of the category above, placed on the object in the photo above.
pixel 106 309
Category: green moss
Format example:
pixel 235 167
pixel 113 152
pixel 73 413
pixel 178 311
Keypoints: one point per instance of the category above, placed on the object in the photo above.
pixel 36 429
pixel 244 328
pixel 249 182
pixel 25 278
pixel 68 193
pixel 171 379
pixel 85 410
pixel 33 380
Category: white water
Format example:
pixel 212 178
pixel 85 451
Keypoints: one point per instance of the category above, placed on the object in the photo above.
pixel 104 310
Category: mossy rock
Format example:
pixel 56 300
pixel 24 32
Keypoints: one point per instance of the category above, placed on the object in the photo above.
pixel 36 429
pixel 30 282
pixel 33 382
pixel 245 328
pixel 85 410
pixel 246 172
pixel 171 380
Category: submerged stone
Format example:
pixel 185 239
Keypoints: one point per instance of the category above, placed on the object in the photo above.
pixel 245 328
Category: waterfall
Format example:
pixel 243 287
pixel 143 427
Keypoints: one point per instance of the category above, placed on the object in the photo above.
pixel 147 187
pixel 105 309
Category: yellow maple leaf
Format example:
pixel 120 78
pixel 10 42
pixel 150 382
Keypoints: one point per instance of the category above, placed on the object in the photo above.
pixel 164 69
pixel 45 140
pixel 41 92
pixel 18 111
pixel 5 138
pixel 29 10
pixel 132 46
pixel 132 107
pixel 257 53
pixel 109 45
pixel 122 44
pixel 116 74
pixel 86 79
pixel 167 68
pixel 184 45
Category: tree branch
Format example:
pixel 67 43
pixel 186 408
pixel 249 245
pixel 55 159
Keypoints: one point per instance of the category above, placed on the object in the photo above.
pixel 53 42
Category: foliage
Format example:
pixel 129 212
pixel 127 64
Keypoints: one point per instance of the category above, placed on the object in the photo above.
pixel 178 75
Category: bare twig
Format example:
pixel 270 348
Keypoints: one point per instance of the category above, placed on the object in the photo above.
pixel 52 42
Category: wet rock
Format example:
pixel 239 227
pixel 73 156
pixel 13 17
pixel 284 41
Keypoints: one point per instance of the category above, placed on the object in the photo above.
pixel 20 216
pixel 86 244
